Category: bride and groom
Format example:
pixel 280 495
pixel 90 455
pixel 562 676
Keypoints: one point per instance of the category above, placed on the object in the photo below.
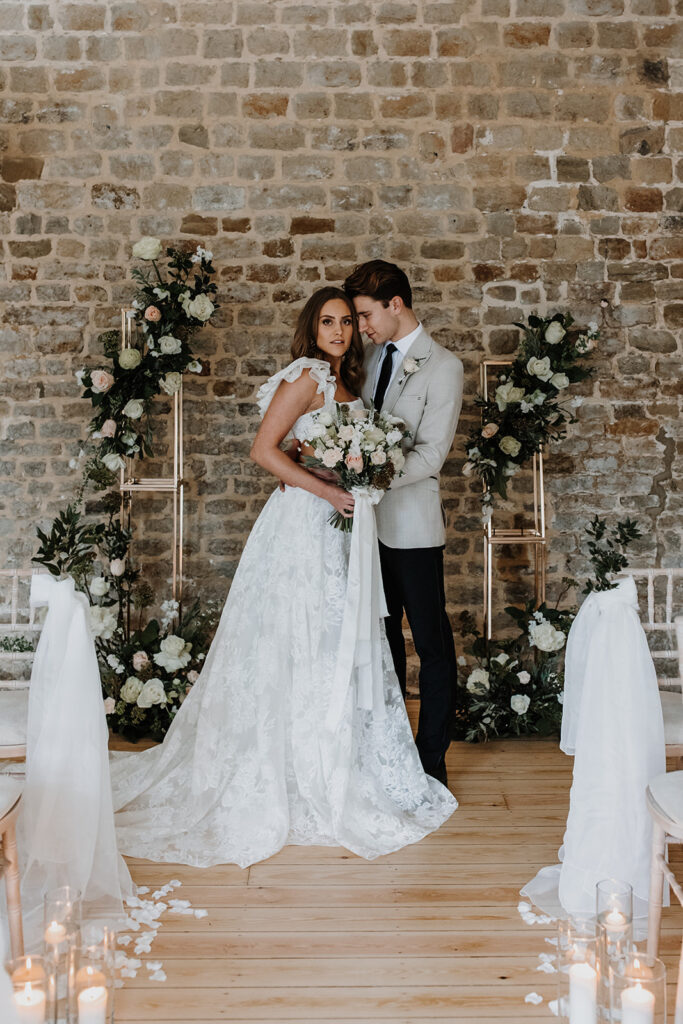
pixel 250 762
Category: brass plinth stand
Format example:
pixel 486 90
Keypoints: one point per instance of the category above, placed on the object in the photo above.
pixel 173 485
pixel 533 535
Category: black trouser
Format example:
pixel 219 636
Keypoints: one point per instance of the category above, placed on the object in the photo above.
pixel 413 581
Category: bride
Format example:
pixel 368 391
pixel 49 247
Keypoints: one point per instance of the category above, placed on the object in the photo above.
pixel 249 763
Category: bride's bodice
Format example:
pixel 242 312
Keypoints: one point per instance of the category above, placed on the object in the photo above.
pixel 322 374
pixel 302 427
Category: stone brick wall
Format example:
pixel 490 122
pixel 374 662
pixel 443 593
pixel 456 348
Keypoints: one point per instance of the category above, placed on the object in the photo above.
pixel 512 155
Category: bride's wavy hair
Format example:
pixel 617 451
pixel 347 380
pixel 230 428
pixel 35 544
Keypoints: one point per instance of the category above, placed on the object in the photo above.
pixel 305 337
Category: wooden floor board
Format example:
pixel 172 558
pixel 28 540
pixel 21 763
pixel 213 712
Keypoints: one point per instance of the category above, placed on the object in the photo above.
pixel 427 935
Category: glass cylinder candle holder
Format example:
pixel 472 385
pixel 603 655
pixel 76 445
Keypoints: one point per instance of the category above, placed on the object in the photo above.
pixel 614 909
pixel 578 970
pixel 30 985
pixel 93 992
pixel 61 937
pixel 637 985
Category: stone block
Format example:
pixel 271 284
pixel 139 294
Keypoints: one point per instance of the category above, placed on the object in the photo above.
pixel 265 105
pixel 523 35
pixel 20 168
pixel 194 135
pixel 643 200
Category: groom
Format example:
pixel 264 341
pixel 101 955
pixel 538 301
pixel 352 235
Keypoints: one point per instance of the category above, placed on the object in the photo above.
pixel 410 376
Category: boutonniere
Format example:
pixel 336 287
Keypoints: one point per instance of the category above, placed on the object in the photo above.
pixel 408 368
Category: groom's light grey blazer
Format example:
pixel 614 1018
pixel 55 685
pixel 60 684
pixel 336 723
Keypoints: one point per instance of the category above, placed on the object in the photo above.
pixel 428 400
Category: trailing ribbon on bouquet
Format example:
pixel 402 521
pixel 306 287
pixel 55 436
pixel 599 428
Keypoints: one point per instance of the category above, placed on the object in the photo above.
pixel 360 651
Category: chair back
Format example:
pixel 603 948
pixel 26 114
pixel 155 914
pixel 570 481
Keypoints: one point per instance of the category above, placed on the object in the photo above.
pixel 663 593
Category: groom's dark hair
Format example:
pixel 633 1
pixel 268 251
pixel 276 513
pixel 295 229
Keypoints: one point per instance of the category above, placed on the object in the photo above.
pixel 379 280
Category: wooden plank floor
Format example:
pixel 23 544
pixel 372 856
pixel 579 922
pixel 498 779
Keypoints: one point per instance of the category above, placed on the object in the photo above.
pixel 426 935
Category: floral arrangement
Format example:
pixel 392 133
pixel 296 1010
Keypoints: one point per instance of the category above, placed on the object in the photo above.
pixel 517 685
pixel 527 410
pixel 167 310
pixel 360 447
pixel 146 669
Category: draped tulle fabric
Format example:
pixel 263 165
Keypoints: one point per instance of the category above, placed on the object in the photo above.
pixel 66 824
pixel 612 723
pixel 250 762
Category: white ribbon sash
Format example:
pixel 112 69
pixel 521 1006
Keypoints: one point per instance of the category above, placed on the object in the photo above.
pixel 360 652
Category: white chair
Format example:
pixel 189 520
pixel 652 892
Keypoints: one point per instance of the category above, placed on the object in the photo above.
pixel 10 799
pixel 18 619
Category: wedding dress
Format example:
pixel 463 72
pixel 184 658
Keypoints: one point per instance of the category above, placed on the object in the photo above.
pixel 250 763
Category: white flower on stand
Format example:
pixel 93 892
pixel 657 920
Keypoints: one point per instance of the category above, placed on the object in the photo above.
pixel 152 692
pixel 102 622
pixel 134 409
pixel 113 461
pixel 195 366
pixel 115 664
pixel 523 677
pixel 109 706
pixel 170 383
pixel 508 394
pixel 131 689
pixel 520 702
pixel 174 653
pixel 169 345
pixel 542 634
pixel 147 248
pixel 117 566
pixel 560 381
pixel 509 445
pixel 129 358
pixel 201 307
pixel 99 586
pixel 478 681
pixel 554 332
pixel 502 658
pixel 540 368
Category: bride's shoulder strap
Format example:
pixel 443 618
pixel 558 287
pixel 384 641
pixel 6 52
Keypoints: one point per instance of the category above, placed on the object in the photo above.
pixel 318 369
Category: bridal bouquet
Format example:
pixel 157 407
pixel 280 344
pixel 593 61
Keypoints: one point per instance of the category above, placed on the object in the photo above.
pixel 360 447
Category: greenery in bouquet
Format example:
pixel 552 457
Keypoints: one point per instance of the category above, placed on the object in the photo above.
pixel 528 408
pixel 360 447
pixel 517 684
pixel 168 308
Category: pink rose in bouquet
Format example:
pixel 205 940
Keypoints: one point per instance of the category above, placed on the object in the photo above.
pixel 101 381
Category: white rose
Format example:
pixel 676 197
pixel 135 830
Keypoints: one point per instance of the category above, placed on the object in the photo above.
pixel 560 381
pixel 117 566
pixel 195 366
pixel 325 419
pixel 152 692
pixel 358 414
pixel 169 345
pixel 113 461
pixel 394 437
pixel 509 445
pixel 410 366
pixel 508 394
pixel 134 409
pixel 131 689
pixel 542 634
pixel 170 383
pixel 378 458
pixel 174 653
pixel 99 586
pixel 554 332
pixel 346 432
pixel 468 469
pixel 478 681
pixel 147 248
pixel 102 622
pixel 109 706
pixel 201 307
pixel 161 293
pixel 172 644
pixel 540 368
pixel 129 358
pixel 398 459
pixel 332 456
pixel 373 435
pixel 519 702
pixel 523 677
pixel 502 658
pixel 140 660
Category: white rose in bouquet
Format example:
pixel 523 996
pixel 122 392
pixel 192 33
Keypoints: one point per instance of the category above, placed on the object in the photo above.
pixel 554 332
pixel 520 702
pixel 560 381
pixel 509 445
pixel 398 458
pixel 152 692
pixel 131 689
pixel 394 437
pixel 147 248
pixel 174 653
pixel 170 383
pixel 134 409
pixel 332 457
pixel 358 414
pixel 378 457
pixel 99 586
pixel 346 432
pixel 113 461
pixel 169 345
pixel 129 358
pixel 325 419
pixel 508 394
pixel 374 435
pixel 478 681
pixel 540 368
pixel 542 634
pixel 102 622
pixel 201 307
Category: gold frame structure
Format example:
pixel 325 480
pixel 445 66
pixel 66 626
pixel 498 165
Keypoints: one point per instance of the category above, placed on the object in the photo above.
pixel 174 485
pixel 526 535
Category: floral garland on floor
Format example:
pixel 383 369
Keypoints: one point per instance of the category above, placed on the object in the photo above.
pixel 526 411
pixel 147 669
pixel 517 686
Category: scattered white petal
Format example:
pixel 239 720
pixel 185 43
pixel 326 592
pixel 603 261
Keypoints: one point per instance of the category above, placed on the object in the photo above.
pixel 552 941
pixel 547 958
pixel 127 973
pixel 523 907
pixel 124 940
pixel 175 883
pixel 142 889
pixel 534 998
pixel 154 965
pixel 547 969
pixel 158 976
pixel 118 983
pixel 201 913
pixel 178 904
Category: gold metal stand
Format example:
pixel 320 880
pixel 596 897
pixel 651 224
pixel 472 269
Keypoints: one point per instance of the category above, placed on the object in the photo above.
pixel 526 535
pixel 173 485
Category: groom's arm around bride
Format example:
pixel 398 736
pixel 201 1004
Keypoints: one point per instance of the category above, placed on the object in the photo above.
pixel 410 376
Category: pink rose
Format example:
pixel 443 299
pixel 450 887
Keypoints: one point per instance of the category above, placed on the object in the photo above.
pixel 101 380
pixel 109 705
pixel 489 430
pixel 140 660
pixel 117 566
pixel 354 463
pixel 108 428
pixel 153 314
pixel 192 676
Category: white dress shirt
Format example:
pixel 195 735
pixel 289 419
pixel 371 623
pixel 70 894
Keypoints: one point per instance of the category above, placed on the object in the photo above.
pixel 402 346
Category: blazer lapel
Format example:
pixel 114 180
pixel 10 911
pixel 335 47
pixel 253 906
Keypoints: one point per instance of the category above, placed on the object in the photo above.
pixel 421 349
pixel 372 354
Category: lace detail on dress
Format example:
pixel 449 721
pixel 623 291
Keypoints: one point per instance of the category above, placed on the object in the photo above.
pixel 318 369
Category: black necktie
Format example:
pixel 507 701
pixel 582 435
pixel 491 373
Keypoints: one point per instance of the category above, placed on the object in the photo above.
pixel 384 375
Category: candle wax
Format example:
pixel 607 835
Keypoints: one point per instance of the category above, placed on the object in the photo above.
pixel 583 984
pixel 92 1005
pixel 637 1006
pixel 30 1005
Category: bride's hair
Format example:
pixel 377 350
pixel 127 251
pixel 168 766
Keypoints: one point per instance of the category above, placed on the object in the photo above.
pixel 306 333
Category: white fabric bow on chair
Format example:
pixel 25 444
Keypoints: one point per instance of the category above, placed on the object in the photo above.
pixel 67 821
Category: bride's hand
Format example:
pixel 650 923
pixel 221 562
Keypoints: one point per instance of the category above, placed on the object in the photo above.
pixel 341 500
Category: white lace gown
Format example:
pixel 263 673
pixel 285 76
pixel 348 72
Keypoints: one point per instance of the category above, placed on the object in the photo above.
pixel 248 764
